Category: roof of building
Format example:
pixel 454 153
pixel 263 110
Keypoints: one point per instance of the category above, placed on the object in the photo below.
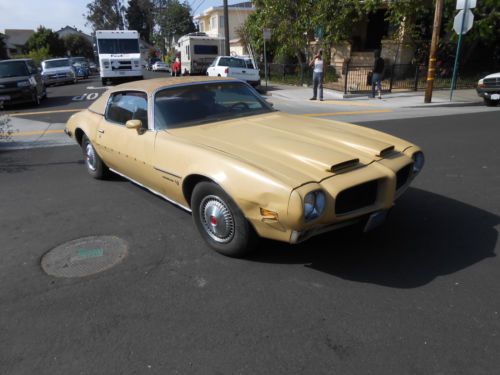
pixel 247 5
pixel 18 37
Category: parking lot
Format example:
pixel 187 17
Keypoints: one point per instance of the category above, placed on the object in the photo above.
pixel 417 296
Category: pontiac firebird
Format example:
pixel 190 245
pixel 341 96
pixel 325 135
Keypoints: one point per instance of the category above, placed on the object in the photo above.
pixel 215 147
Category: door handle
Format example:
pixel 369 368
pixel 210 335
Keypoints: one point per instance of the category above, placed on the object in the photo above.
pixel 100 130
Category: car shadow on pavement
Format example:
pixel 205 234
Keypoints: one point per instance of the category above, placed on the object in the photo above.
pixel 427 235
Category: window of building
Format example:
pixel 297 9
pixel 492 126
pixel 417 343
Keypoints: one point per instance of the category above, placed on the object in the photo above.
pixel 221 22
pixel 213 22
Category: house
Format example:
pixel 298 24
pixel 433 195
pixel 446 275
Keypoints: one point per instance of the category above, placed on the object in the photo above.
pixel 211 22
pixel 68 30
pixel 15 40
pixel 369 34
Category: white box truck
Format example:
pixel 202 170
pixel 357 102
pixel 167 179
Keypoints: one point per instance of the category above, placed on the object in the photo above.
pixel 119 55
pixel 198 51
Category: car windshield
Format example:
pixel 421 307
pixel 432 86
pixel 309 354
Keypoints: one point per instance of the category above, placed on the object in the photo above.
pixel 55 63
pixel 189 105
pixel 118 45
pixel 13 69
pixel 232 62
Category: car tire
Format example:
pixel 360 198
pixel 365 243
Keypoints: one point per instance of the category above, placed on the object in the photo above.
pixel 228 232
pixel 491 103
pixel 93 163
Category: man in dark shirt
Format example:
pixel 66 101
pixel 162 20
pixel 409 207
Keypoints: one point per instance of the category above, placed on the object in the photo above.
pixel 378 72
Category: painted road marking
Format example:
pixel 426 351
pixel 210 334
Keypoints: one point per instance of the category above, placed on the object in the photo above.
pixel 348 103
pixel 37 132
pixel 44 112
pixel 98 88
pixel 91 96
pixel 367 112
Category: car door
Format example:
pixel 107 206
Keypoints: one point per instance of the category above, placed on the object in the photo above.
pixel 127 151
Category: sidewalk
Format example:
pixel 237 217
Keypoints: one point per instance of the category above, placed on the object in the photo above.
pixel 407 99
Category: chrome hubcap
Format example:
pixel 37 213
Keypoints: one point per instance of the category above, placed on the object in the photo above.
pixel 90 157
pixel 217 219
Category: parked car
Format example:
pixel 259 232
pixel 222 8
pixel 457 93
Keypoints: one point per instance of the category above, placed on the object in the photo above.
pixel 81 66
pixel 57 71
pixel 489 89
pixel 93 67
pixel 21 82
pixel 229 66
pixel 160 66
pixel 151 61
pixel 216 148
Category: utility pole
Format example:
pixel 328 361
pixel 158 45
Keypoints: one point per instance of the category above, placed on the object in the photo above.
pixel 226 28
pixel 438 13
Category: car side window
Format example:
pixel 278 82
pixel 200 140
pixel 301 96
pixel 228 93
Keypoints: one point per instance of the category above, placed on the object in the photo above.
pixel 129 105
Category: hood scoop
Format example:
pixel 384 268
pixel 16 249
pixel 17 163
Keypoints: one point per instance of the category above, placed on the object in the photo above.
pixel 386 151
pixel 336 168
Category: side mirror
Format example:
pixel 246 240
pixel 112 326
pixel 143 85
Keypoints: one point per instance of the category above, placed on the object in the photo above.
pixel 134 124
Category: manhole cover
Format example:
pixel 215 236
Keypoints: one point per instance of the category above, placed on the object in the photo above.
pixel 84 256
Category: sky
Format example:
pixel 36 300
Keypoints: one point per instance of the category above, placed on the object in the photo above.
pixel 55 14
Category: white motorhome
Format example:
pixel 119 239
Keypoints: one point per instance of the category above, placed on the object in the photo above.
pixel 198 51
pixel 119 55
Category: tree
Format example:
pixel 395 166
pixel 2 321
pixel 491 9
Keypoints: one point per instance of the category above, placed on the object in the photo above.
pixel 3 47
pixel 173 18
pixel 139 17
pixel 105 15
pixel 46 38
pixel 78 45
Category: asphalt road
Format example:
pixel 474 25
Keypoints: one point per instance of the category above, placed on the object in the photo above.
pixel 418 296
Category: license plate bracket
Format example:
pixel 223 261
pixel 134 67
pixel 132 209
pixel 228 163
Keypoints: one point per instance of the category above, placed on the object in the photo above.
pixel 495 97
pixel 4 98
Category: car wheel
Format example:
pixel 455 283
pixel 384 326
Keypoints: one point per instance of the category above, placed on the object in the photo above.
pixel 220 222
pixel 94 164
pixel 491 103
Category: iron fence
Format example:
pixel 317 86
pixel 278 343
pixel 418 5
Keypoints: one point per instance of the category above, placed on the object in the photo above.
pixel 349 78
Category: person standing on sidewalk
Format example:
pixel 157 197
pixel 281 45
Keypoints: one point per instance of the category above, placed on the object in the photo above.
pixel 317 62
pixel 378 73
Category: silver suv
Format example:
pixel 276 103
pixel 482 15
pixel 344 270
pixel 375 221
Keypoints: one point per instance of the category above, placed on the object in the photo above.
pixel 57 71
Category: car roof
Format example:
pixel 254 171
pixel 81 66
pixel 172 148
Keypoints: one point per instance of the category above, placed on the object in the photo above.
pixel 151 85
pixel 59 58
pixel 8 60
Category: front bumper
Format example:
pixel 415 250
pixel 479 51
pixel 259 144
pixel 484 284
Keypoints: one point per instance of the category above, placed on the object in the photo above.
pixel 487 92
pixel 17 95
pixel 55 80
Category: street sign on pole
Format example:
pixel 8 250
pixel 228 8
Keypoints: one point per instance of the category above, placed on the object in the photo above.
pixel 470 4
pixel 267 34
pixel 463 21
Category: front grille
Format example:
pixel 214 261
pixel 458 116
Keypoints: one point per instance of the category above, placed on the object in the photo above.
pixel 492 82
pixel 403 175
pixel 357 197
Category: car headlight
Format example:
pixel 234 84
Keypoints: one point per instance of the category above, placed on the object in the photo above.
pixel 418 161
pixel 480 83
pixel 314 204
pixel 23 84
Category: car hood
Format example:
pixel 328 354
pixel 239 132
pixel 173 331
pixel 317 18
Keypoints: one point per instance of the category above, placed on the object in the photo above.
pixel 494 75
pixel 295 149
pixel 61 69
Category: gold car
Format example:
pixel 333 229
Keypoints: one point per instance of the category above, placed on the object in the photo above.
pixel 215 147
